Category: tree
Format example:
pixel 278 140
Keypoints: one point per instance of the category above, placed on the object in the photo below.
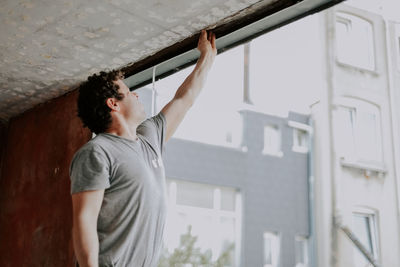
pixel 188 255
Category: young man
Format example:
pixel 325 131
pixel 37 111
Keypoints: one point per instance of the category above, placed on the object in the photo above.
pixel 117 178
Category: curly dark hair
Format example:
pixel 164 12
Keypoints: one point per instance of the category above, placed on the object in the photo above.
pixel 93 93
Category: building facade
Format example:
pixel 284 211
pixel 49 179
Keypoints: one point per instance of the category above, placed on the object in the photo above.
pixel 281 202
pixel 255 195
pixel 356 148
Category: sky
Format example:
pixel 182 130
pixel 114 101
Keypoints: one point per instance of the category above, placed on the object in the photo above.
pixel 286 74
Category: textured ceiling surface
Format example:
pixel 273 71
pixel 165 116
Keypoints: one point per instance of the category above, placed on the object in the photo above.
pixel 48 47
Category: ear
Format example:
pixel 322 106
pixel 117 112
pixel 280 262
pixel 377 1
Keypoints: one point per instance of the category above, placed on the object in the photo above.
pixel 112 103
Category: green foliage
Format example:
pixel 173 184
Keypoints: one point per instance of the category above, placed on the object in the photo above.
pixel 188 255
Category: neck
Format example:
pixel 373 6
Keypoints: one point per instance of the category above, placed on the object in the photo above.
pixel 123 129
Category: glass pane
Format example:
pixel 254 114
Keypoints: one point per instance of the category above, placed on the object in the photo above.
pixel 301 250
pixel 355 44
pixel 267 251
pixel 367 140
pixel 228 199
pixel 196 195
pixel 208 233
pixel 271 249
pixel 345 127
pixel 362 229
pixel 342 38
pixel 300 138
pixel 272 142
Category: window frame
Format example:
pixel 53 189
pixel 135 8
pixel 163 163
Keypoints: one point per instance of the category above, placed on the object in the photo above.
pixel 305 251
pixel 216 212
pixel 297 127
pixel 355 159
pixel 275 239
pixel 265 151
pixel 373 217
pixel 348 18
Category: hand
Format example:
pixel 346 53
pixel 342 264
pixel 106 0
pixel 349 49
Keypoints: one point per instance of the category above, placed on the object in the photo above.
pixel 206 45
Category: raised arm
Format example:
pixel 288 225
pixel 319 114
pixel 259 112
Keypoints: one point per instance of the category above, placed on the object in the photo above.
pixel 187 93
pixel 86 206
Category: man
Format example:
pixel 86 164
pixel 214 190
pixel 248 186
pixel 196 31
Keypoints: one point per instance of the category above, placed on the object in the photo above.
pixel 117 178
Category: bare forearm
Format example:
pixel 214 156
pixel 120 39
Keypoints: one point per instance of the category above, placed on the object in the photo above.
pixel 86 245
pixel 193 84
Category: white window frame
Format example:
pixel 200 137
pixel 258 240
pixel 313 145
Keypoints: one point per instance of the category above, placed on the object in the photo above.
pixel 267 150
pixel 305 251
pixel 297 127
pixel 216 212
pixel 372 215
pixel 348 20
pixel 275 239
pixel 356 160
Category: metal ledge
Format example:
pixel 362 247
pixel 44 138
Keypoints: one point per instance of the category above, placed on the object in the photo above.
pixel 371 167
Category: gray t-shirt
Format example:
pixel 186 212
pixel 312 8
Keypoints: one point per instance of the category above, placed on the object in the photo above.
pixel 132 216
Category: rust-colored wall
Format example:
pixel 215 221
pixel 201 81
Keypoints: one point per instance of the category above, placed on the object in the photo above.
pixel 35 203
pixel 3 135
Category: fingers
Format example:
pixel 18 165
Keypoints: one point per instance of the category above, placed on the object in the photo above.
pixel 203 35
pixel 212 40
pixel 207 39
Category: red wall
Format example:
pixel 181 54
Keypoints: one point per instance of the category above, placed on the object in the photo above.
pixel 35 203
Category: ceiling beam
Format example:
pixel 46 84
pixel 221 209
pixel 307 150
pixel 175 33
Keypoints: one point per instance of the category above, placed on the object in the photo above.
pixel 244 26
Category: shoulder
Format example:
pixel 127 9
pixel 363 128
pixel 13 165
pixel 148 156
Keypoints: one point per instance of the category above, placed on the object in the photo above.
pixel 95 147
pixel 157 121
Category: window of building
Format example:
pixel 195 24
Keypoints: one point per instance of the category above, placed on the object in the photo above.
pixel 271 249
pixel 272 140
pixel 301 250
pixel 364 227
pixel 212 213
pixel 300 140
pixel 358 130
pixel 354 41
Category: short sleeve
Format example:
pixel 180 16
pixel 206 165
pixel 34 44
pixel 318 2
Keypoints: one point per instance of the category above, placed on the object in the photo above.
pixel 89 170
pixel 154 130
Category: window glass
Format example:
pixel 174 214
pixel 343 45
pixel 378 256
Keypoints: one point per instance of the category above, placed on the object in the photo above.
pixel 358 131
pixel 301 250
pixel 354 41
pixel 300 140
pixel 209 230
pixel 272 140
pixel 271 249
pixel 345 131
pixel 193 194
pixel 228 198
pixel 365 231
pixel 367 138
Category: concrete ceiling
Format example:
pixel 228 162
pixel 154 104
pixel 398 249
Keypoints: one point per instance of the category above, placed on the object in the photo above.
pixel 48 47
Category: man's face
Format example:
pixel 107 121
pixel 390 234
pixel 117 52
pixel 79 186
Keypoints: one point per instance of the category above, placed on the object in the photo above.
pixel 130 106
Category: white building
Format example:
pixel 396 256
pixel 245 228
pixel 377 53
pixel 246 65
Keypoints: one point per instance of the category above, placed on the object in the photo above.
pixel 356 159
